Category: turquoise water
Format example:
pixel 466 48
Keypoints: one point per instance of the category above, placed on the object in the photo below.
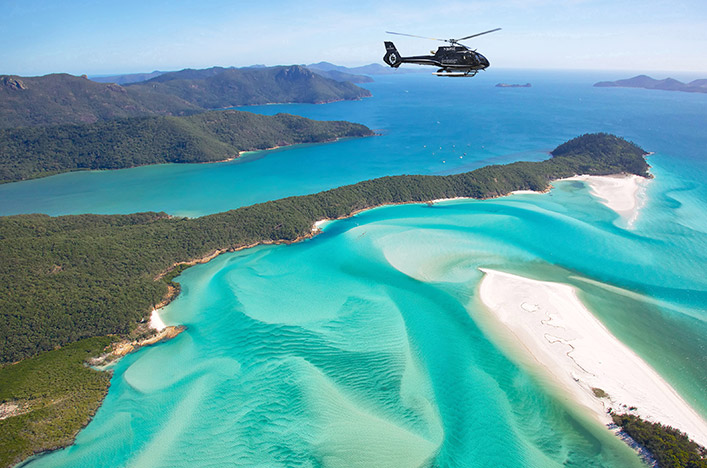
pixel 366 345
pixel 427 125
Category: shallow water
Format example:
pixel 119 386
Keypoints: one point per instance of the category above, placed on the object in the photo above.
pixel 367 346
pixel 362 347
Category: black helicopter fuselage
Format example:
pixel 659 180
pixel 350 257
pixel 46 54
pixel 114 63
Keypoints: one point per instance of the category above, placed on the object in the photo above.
pixel 452 57
pixel 452 60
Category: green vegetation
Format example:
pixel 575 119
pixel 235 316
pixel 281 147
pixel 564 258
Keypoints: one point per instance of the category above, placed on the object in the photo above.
pixel 72 277
pixel 669 447
pixel 65 99
pixel 586 149
pixel 210 136
pixel 61 99
pixel 69 278
pixel 55 394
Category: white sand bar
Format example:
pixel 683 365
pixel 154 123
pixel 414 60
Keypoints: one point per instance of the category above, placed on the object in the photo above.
pixel 622 193
pixel 550 322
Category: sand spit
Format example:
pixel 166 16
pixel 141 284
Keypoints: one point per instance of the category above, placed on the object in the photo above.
pixel 548 322
pixel 622 193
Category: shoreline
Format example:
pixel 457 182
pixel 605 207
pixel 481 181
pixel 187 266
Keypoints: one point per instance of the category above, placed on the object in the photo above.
pixel 173 293
pixel 316 103
pixel 616 190
pixel 552 330
pixel 239 154
pixel 624 194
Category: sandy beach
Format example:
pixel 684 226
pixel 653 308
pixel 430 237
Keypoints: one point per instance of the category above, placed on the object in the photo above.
pixel 156 321
pixel 319 224
pixel 524 192
pixel 439 200
pixel 622 193
pixel 548 322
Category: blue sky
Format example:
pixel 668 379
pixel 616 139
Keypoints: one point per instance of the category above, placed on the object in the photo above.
pixel 101 37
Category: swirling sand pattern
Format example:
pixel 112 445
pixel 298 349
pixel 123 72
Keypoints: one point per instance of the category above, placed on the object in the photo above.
pixel 361 347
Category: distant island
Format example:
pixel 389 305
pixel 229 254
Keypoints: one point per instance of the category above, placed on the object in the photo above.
pixel 646 82
pixel 507 85
pixel 66 99
pixel 339 73
pixel 216 88
pixel 361 74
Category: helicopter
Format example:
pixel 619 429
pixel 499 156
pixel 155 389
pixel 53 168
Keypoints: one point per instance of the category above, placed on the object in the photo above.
pixel 455 59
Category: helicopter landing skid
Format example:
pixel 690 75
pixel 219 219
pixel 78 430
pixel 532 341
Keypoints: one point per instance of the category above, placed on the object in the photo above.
pixel 452 73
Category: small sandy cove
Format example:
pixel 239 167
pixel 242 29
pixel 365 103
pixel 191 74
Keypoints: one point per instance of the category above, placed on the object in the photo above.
pixel 548 322
pixel 156 321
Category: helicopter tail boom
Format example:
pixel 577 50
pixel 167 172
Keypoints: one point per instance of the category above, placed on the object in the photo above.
pixel 392 56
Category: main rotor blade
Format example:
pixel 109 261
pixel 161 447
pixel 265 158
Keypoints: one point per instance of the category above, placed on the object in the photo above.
pixel 420 37
pixel 479 34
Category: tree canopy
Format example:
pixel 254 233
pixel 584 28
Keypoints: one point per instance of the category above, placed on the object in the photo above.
pixel 31 152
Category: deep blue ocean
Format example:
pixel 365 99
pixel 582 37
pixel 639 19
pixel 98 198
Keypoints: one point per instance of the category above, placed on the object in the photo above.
pixel 365 345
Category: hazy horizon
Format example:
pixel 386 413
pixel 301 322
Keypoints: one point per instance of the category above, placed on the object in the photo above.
pixel 681 75
pixel 93 38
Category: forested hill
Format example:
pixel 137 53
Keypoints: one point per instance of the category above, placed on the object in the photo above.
pixel 30 152
pixel 65 99
pixel 61 98
pixel 217 87
pixel 586 150
pixel 72 277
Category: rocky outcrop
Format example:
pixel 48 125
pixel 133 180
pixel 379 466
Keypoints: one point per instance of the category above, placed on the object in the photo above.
pixel 123 347
pixel 13 83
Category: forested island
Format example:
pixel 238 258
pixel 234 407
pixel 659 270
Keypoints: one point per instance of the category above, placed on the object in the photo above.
pixel 646 82
pixel 217 87
pixel 30 152
pixel 513 85
pixel 65 99
pixel 70 284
